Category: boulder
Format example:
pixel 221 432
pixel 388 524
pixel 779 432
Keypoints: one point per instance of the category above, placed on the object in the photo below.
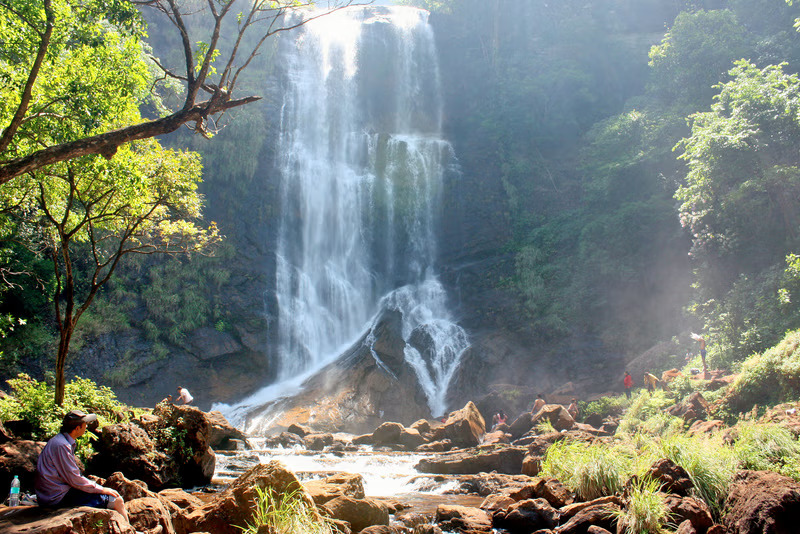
pixel 692 408
pixel 147 514
pixel 300 430
pixel 673 478
pixel 762 501
pixel 558 416
pixel 571 510
pixel 436 446
pixel 360 513
pixel 224 436
pixel 327 489
pixel 384 529
pixel 387 434
pixel 317 442
pixel 689 509
pixel 410 438
pixel 191 432
pixel 285 439
pixel 463 519
pixel 506 460
pixel 496 437
pixel 521 425
pixel 18 457
pixel 233 507
pixel 83 520
pixel 549 489
pixel 495 502
pixel 601 515
pixel 422 426
pixel 465 427
pixel 526 516
pixel 130 449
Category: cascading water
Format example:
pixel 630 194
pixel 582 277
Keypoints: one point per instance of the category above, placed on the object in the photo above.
pixel 361 161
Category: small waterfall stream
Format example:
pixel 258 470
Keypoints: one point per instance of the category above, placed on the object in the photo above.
pixel 362 162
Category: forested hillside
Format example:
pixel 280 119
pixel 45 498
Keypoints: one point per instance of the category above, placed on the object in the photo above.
pixel 629 172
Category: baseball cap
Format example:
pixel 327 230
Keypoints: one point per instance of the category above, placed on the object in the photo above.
pixel 74 417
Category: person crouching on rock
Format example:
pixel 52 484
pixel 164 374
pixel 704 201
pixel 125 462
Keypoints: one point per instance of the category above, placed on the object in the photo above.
pixel 59 482
pixel 184 396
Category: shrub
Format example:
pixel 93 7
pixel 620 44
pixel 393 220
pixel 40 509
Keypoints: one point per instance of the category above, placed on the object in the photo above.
pixel 645 512
pixel 286 514
pixel 34 402
pixel 766 379
pixel 643 407
pixel 589 470
pixel 768 448
pixel 709 463
pixel 605 406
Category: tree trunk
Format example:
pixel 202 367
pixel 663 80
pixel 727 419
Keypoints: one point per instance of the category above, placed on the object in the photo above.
pixel 61 359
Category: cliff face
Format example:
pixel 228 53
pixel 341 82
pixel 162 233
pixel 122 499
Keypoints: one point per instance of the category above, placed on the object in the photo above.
pixel 242 193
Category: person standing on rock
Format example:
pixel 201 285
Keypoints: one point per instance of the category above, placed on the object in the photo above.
pixel 702 341
pixel 59 482
pixel 628 383
pixel 184 396
pixel 573 409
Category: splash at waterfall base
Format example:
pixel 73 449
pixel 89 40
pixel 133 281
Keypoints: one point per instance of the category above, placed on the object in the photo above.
pixel 371 383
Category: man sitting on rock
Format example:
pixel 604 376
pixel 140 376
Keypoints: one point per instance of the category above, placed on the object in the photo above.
pixel 59 482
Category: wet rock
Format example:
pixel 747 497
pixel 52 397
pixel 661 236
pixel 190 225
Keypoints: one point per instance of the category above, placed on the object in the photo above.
pixel 488 483
pixel 762 501
pixel 437 446
pixel 360 513
pixel 387 434
pixel 318 442
pixel 285 439
pixel 674 478
pixel 300 430
pixel 463 519
pixel 495 502
pixel 506 460
pixel 327 489
pixel 224 436
pixel 526 516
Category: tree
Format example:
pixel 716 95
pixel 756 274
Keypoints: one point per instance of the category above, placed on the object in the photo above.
pixel 87 216
pixel 39 33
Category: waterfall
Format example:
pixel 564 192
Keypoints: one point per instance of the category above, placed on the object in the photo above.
pixel 361 160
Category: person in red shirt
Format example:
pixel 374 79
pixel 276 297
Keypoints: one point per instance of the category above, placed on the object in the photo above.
pixel 628 382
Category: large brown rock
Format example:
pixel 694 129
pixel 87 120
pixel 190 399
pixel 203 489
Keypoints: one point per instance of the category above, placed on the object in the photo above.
pixel 327 489
pixel 149 514
pixel 130 449
pixel 387 434
pixel 18 457
pixel 463 519
pixel 222 433
pixel 689 509
pixel 549 489
pixel 233 507
pixel 673 478
pixel 693 408
pixel 762 501
pixel 558 416
pixel 360 513
pixel 83 520
pixel 526 516
pixel 465 427
pixel 506 460
pixel 191 430
pixel 601 515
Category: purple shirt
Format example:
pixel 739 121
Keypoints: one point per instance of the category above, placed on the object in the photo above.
pixel 57 471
